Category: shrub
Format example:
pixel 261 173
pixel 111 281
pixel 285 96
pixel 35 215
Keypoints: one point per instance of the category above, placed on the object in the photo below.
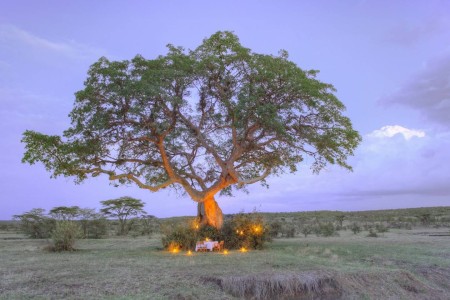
pixel 340 221
pixel 307 230
pixel 242 230
pixel 208 232
pixel 355 228
pixel 148 225
pixel 93 225
pixel 381 228
pixel 249 230
pixel 35 224
pixel 179 236
pixel 289 232
pixel 65 234
pixel 372 233
pixel 98 228
pixel 325 229
pixel 275 229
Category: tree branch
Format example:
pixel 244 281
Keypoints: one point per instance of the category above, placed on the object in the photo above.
pixel 255 179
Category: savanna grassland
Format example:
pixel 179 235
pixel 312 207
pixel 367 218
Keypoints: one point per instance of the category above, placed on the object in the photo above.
pixel 409 262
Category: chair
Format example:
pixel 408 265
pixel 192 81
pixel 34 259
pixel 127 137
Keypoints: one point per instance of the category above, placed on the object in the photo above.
pixel 201 247
pixel 218 246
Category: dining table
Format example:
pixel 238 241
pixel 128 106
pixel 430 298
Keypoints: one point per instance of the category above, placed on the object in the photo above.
pixel 209 245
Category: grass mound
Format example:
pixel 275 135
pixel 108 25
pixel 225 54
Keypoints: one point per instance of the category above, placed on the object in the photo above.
pixel 305 285
pixel 331 285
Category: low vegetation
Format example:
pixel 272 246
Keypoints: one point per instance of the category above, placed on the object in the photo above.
pixel 402 264
pixel 241 231
pixel 64 235
pixel 394 254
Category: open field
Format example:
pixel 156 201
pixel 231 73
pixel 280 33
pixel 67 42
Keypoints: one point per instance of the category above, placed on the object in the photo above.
pixel 401 264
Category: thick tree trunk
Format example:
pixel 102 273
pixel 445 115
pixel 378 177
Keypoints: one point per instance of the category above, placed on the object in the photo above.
pixel 209 213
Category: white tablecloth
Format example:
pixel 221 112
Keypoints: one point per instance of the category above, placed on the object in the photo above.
pixel 209 245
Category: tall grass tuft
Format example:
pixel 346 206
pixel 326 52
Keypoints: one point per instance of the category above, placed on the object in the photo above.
pixel 65 235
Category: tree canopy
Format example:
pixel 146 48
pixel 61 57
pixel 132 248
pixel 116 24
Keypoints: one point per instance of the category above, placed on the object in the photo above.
pixel 205 120
pixel 123 208
pixel 65 213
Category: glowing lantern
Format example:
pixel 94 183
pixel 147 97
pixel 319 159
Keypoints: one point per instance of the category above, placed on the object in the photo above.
pixel 174 247
pixel 243 249
pixel 225 251
pixel 189 252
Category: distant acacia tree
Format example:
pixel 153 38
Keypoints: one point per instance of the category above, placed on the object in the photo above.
pixel 123 208
pixel 93 224
pixel 36 224
pixel 65 213
pixel 207 120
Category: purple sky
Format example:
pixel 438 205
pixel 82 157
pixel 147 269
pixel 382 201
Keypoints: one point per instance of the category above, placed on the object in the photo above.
pixel 389 60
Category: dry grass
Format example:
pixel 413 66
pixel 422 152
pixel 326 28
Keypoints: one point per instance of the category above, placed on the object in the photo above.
pixel 401 265
pixel 303 285
pixel 334 285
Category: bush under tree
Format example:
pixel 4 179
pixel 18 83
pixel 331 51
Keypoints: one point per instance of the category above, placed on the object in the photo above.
pixel 241 231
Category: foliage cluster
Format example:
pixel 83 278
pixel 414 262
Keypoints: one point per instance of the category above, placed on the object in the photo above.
pixel 67 224
pixel 243 230
pixel 65 235
pixel 325 229
pixel 35 224
pixel 124 209
pixel 355 228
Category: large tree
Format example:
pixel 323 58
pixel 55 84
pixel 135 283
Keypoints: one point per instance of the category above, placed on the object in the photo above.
pixel 206 121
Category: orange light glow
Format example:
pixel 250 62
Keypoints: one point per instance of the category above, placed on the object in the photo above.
pixel 225 252
pixel 241 232
pixel 189 252
pixel 173 247
pixel 243 249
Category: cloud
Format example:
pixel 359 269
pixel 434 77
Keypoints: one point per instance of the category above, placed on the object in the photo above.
pixel 394 167
pixel 401 166
pixel 407 35
pixel 10 35
pixel 390 131
pixel 428 92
